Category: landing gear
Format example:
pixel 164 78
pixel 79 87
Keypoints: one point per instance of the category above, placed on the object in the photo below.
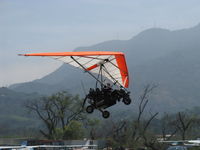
pixel 105 114
pixel 103 99
pixel 89 109
pixel 127 100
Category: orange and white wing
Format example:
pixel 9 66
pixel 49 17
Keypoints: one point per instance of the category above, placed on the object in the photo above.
pixel 115 68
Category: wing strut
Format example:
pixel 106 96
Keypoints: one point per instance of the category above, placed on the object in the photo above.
pixel 87 70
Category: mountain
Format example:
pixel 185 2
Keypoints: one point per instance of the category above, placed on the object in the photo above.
pixel 167 58
pixel 12 102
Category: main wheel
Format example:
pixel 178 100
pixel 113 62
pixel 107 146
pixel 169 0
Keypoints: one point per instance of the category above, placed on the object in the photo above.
pixel 89 109
pixel 105 114
pixel 127 100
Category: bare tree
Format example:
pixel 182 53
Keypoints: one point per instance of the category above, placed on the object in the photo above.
pixel 139 128
pixel 183 123
pixel 119 131
pixel 43 109
pixel 116 132
pixel 92 126
pixel 150 141
pixel 167 127
pixel 57 110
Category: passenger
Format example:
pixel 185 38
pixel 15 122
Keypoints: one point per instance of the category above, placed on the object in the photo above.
pixel 107 87
pixel 107 91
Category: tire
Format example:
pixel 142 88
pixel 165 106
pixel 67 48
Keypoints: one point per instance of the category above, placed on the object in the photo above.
pixel 127 101
pixel 89 109
pixel 105 114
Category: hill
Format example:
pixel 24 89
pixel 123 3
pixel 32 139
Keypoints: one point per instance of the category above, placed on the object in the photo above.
pixel 13 114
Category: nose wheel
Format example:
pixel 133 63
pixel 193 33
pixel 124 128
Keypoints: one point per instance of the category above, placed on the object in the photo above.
pixel 105 114
pixel 89 109
pixel 127 101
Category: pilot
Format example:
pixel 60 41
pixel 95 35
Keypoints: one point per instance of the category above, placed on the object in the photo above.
pixel 108 86
pixel 107 90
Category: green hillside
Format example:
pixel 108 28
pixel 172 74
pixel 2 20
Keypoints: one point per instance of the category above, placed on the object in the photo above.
pixel 14 118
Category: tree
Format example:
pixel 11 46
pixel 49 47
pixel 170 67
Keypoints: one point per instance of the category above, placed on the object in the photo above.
pixel 92 125
pixel 134 133
pixel 57 111
pixel 167 127
pixel 115 132
pixel 74 130
pixel 43 108
pixel 183 123
pixel 138 123
pixel 140 126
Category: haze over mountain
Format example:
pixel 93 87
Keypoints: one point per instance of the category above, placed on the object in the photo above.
pixel 167 58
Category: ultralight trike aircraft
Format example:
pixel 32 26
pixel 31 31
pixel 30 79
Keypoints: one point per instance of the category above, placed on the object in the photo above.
pixel 102 66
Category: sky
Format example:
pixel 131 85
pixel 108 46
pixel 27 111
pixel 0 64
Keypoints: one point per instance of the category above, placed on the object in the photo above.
pixel 31 26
